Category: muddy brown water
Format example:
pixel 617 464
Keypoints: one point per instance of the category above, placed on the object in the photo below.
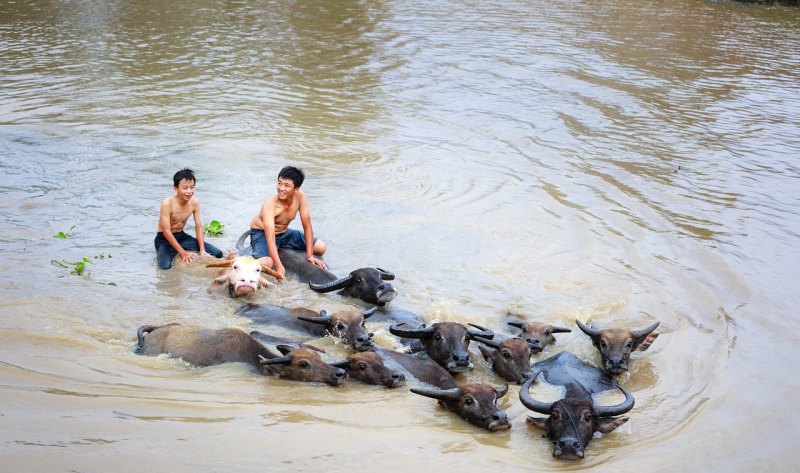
pixel 618 162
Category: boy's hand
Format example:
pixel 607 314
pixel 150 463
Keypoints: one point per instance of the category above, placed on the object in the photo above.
pixel 317 262
pixel 187 257
pixel 280 270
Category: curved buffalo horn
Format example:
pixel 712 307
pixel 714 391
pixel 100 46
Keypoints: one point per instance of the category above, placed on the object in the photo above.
pixel 322 319
pixel 501 390
pixel 485 341
pixel 422 332
pixel 528 401
pixel 271 272
pixel 484 332
pixel 621 408
pixel 588 330
pixel 333 285
pixel 281 360
pixel 284 349
pixel 368 312
pixel 637 334
pixel 385 275
pixel 561 330
pixel 515 324
pixel 220 264
pixel 440 394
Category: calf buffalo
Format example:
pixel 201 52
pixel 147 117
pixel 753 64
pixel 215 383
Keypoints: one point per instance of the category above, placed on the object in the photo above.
pixel 616 344
pixel 510 358
pixel 475 403
pixel 539 335
pixel 205 347
pixel 368 367
pixel 347 325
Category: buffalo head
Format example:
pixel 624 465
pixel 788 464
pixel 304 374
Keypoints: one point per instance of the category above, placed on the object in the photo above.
pixel 445 342
pixel 243 276
pixel 616 345
pixel 368 367
pixel 367 284
pixel 475 403
pixel 346 325
pixel 538 335
pixel 302 364
pixel 572 421
pixel 510 358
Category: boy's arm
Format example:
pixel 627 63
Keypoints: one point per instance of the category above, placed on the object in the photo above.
pixel 166 230
pixel 268 218
pixel 308 233
pixel 198 228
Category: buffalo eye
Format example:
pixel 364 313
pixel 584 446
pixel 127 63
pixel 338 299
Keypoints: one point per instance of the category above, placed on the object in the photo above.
pixel 629 344
pixel 506 354
pixel 469 401
pixel 304 364
pixel 362 366
pixel 556 415
pixel 438 336
pixel 547 333
pixel 258 270
pixel 587 417
pixel 603 344
pixel 340 326
pixel 358 280
pixel 235 266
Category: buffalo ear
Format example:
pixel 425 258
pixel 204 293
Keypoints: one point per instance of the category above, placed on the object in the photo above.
pixel 540 422
pixel 608 424
pixel 489 354
pixel 644 345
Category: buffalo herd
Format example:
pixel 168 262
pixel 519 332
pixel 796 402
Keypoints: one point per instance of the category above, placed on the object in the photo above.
pixel 431 357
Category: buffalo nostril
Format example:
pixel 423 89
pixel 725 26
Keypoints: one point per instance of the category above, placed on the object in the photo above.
pixel 576 445
pixel 560 444
pixel 339 373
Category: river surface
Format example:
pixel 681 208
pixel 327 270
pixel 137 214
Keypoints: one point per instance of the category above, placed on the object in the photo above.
pixel 618 162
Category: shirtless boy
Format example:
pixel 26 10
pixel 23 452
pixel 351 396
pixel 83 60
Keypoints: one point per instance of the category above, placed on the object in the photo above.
pixel 171 240
pixel 270 227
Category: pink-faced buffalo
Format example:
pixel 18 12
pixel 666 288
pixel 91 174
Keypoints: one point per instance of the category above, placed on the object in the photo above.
pixel 616 344
pixel 242 276
pixel 572 421
pixel 445 342
pixel 200 346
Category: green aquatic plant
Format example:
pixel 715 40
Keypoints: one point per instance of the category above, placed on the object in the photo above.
pixel 79 268
pixel 214 228
pixel 64 234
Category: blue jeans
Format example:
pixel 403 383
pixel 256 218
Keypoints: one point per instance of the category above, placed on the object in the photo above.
pixel 291 238
pixel 165 253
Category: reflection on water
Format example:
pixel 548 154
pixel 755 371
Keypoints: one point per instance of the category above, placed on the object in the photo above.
pixel 614 162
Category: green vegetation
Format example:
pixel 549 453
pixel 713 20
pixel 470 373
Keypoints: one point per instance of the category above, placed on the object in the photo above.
pixel 214 228
pixel 79 268
pixel 64 234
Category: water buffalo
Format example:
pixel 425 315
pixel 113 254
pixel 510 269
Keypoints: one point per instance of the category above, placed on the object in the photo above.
pixel 539 335
pixel 347 325
pixel 475 403
pixel 573 420
pixel 510 358
pixel 445 342
pixel 200 346
pixel 272 340
pixel 616 345
pixel 243 276
pixel 368 367
pixel 367 284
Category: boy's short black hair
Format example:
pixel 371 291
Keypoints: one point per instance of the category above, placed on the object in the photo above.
pixel 184 173
pixel 296 175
